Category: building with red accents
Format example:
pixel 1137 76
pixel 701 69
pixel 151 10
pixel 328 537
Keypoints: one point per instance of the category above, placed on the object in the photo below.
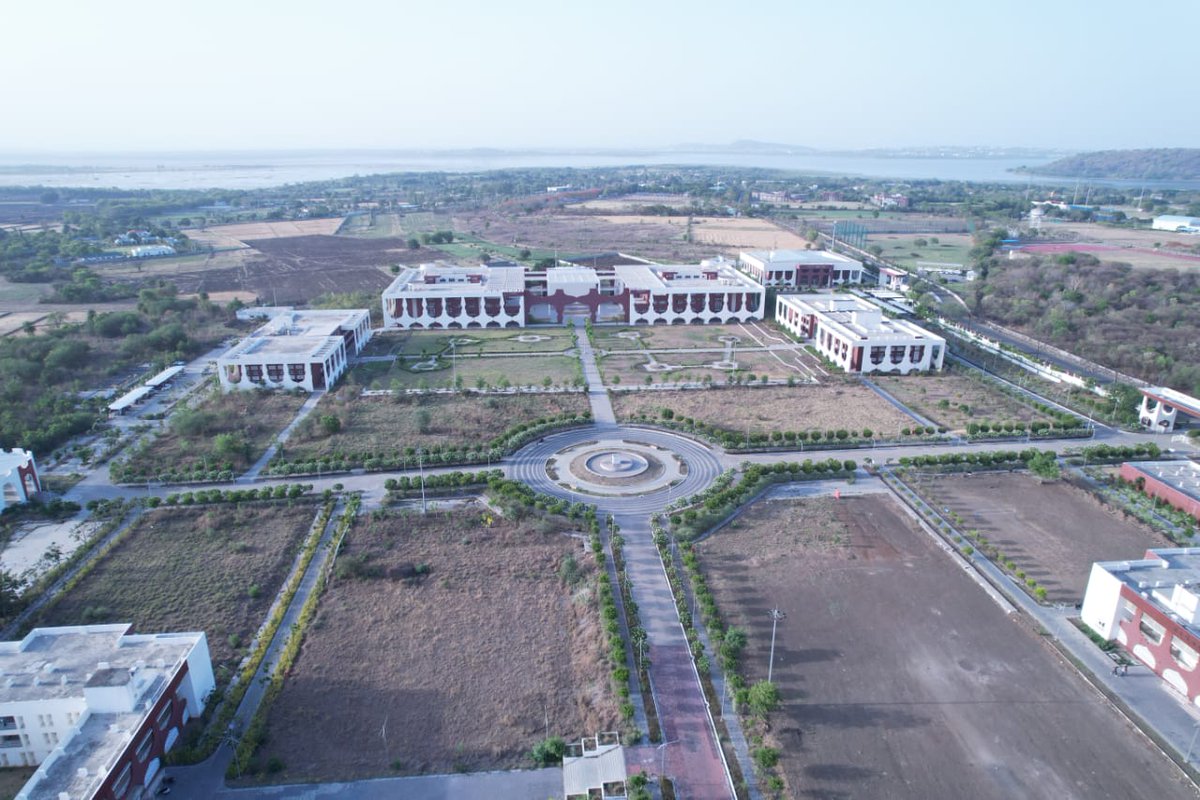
pixel 800 269
pixel 96 708
pixel 306 349
pixel 1151 607
pixel 439 296
pixel 855 334
pixel 19 481
pixel 1175 482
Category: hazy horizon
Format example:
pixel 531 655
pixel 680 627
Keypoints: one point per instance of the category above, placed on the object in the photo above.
pixel 136 76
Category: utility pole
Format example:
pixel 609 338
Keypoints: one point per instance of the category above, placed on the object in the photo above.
pixel 421 467
pixel 776 615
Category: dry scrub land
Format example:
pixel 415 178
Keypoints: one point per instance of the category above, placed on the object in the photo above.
pixel 189 440
pixel 1053 531
pixel 901 678
pixel 958 387
pixel 830 406
pixel 389 424
pixel 214 569
pixel 466 665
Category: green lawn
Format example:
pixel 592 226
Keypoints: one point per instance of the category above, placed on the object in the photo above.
pixel 470 342
pixel 499 371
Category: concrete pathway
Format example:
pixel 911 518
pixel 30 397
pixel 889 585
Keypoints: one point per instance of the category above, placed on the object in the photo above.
pixel 204 780
pixel 265 458
pixel 903 409
pixel 541 784
pixel 602 411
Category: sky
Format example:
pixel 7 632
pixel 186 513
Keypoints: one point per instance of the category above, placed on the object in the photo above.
pixel 126 75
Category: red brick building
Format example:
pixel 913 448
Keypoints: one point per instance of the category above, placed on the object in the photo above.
pixel 1175 482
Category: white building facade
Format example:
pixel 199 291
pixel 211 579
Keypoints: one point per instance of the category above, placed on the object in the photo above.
pixel 19 481
pixel 437 296
pixel 855 335
pixel 306 350
pixel 795 269
pixel 1176 223
pixel 95 708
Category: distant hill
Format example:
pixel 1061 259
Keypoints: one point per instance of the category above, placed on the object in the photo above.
pixel 1177 163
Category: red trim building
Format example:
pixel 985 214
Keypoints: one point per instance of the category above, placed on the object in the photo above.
pixel 19 481
pixel 1175 482
pixel 1151 607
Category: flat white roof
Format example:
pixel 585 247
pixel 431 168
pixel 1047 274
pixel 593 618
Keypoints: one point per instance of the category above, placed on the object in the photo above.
pixel 857 318
pixel 164 376
pixel 793 257
pixel 313 322
pixel 455 281
pixel 1183 476
pixel 1185 403
pixel 60 663
pixel 130 398
pixel 11 459
pixel 638 277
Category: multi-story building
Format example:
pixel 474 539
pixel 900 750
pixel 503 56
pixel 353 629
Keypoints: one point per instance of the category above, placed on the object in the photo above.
pixel 1174 482
pixel 443 296
pixel 855 335
pixel 1151 607
pixel 19 480
pixel 306 350
pixel 95 708
pixel 794 269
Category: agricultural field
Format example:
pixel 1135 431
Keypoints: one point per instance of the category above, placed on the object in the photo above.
pixel 745 233
pixel 243 232
pixel 472 371
pixel 470 342
pixel 225 431
pixel 1140 247
pixel 388 424
pixel 829 406
pixel 215 569
pixel 468 638
pixel 957 397
pixel 1024 518
pixel 944 695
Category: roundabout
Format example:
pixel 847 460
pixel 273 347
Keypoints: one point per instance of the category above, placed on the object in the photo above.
pixel 629 470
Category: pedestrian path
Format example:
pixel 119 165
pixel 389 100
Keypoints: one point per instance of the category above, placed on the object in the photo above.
pixel 305 410
pixel 602 410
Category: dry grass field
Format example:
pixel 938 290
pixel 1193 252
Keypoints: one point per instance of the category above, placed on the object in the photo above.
pixel 745 233
pixel 1052 531
pixel 383 425
pixel 189 441
pixel 941 397
pixel 494 371
pixel 830 406
pixel 900 678
pixel 214 569
pixel 457 635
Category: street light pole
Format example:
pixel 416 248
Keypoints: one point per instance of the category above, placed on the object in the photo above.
pixel 421 467
pixel 662 769
pixel 776 615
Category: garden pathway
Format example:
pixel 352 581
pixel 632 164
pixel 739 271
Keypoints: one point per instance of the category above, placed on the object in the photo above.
pixel 602 410
pixel 305 410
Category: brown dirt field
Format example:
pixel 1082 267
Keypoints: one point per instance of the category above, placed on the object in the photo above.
pixel 922 391
pixel 468 666
pixel 383 425
pixel 830 406
pixel 1053 531
pixel 191 569
pixel 900 678
pixel 745 233
pixel 220 235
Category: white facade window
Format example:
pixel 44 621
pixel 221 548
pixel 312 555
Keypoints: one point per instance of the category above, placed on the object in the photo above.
pixel 1151 629
pixel 1184 655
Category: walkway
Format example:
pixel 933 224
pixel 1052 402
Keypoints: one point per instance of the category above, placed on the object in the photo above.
pixel 903 409
pixel 602 410
pixel 540 784
pixel 305 410
pixel 204 779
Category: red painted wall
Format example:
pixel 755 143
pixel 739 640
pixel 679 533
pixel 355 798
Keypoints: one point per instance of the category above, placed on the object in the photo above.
pixel 1162 652
pixel 1156 488
pixel 138 772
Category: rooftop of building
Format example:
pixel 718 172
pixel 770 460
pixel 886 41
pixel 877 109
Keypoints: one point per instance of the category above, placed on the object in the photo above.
pixel 788 257
pixel 312 322
pixel 663 277
pixel 11 459
pixel 1169 577
pixel 857 317
pixel 1183 476
pixel 61 664
pixel 603 260
pixel 450 279
pixel 1185 403
pixel 301 335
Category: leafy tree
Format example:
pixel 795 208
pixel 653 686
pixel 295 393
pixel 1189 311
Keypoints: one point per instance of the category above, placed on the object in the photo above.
pixel 762 698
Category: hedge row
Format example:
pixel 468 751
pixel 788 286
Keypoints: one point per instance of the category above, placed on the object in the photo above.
pixel 1108 452
pixel 638 638
pixel 284 491
pixel 700 512
pixel 406 485
pixel 256 732
pixel 436 455
pixel 214 731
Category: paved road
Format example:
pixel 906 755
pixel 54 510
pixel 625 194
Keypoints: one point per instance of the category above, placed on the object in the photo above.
pixel 602 411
